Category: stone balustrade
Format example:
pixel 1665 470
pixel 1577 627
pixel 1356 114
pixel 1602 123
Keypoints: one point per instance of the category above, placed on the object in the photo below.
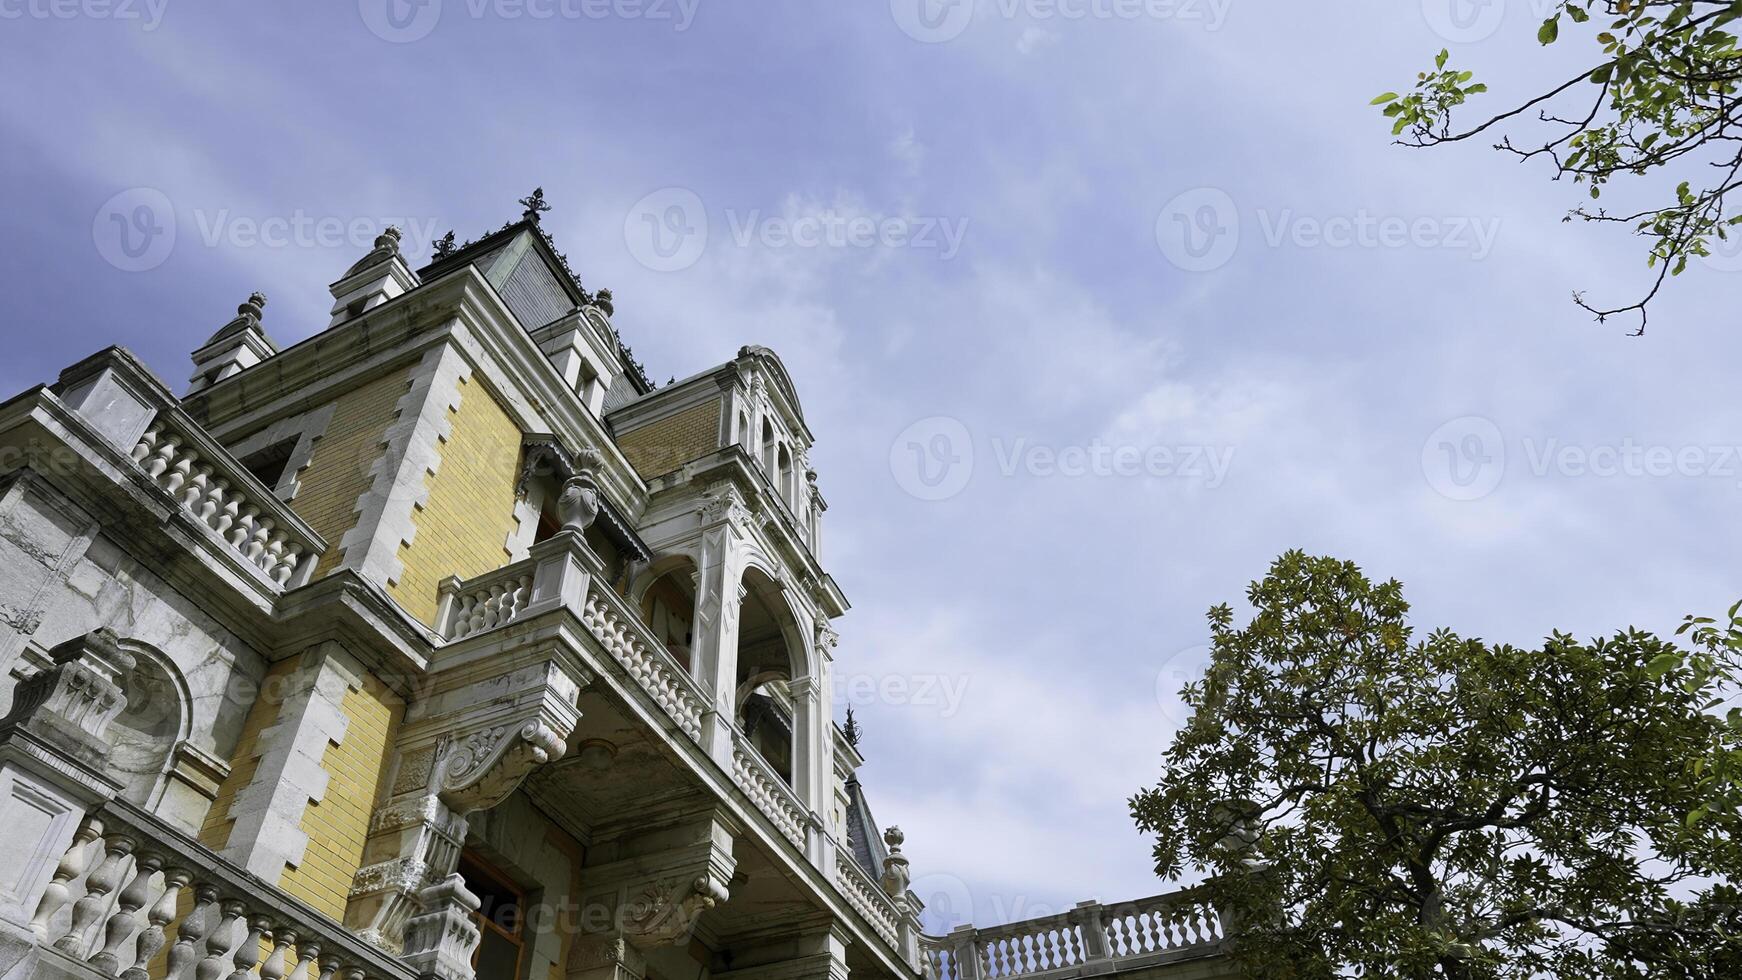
pixel 225 499
pixel 485 603
pixel 767 790
pixel 135 899
pixel 868 899
pixel 1089 940
pixel 634 646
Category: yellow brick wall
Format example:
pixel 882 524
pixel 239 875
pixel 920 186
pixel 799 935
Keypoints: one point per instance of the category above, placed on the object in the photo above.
pixel 665 445
pixel 463 526
pixel 339 472
pixel 215 833
pixel 338 823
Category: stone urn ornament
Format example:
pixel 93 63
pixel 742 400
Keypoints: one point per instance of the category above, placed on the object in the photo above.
pixel 579 503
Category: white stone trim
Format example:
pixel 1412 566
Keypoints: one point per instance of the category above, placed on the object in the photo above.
pixel 386 512
pixel 266 816
pixel 306 429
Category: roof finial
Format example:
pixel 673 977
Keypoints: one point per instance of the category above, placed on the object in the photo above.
pixel 446 246
pixel 535 205
pixel 254 309
pixel 604 302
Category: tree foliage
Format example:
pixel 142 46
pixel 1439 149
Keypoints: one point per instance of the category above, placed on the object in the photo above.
pixel 1661 96
pixel 1368 802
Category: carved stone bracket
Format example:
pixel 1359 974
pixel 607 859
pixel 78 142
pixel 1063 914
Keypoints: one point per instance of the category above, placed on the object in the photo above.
pixel 665 912
pixel 441 938
pixel 480 769
pixel 70 705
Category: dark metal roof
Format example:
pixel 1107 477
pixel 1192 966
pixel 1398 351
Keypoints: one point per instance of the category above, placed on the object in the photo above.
pixel 864 839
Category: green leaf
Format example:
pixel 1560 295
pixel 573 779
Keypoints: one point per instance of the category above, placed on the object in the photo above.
pixel 1663 664
pixel 1550 30
pixel 1387 97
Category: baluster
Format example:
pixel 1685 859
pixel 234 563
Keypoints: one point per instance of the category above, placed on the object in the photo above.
pixel 161 459
pixel 248 954
pixel 147 444
pixel 213 502
pixel 179 472
pixel 475 622
pixel 493 608
pixel 330 967
pixel 274 555
pixel 277 965
pixel 220 940
pixel 257 541
pixel 102 883
pixel 72 864
pixel 308 958
pixel 193 930
pixel 124 923
pixel 196 488
pixel 162 913
pixel 287 566
pixel 244 527
pixel 230 513
pixel 1116 936
pixel 1053 956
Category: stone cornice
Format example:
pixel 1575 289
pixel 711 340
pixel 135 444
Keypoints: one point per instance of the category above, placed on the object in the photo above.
pixel 461 307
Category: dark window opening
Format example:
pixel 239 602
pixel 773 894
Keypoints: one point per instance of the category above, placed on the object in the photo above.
pixel 268 465
pixel 501 919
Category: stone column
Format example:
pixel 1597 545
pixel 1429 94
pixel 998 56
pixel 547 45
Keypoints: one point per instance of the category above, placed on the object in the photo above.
pixel 53 753
pixel 719 597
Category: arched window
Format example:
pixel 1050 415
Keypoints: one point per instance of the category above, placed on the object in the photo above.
pixel 668 607
pixel 783 477
pixel 768 444
pixel 770 657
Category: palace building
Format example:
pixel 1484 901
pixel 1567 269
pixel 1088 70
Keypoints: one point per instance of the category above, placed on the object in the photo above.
pixel 444 644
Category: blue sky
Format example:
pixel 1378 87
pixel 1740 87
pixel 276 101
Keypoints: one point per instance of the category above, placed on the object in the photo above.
pixel 1030 336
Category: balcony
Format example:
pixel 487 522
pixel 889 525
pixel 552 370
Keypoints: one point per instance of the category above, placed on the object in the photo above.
pixel 1090 940
pixel 130 883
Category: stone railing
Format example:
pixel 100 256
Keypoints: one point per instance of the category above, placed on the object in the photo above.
pixel 1089 940
pixel 767 790
pixel 485 603
pixel 227 500
pixel 134 898
pixel 634 646
pixel 868 899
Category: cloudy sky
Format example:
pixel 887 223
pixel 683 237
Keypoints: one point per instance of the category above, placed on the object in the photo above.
pixel 1093 316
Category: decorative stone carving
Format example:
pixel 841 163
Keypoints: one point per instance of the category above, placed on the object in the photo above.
pixel 441 938
pixel 721 506
pixel 896 875
pixel 579 503
pixel 71 704
pixel 665 911
pixel 480 769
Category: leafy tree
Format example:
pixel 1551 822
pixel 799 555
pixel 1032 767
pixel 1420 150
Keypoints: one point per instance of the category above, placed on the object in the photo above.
pixel 1369 803
pixel 1661 97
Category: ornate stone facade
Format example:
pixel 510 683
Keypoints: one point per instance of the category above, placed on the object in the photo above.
pixel 448 611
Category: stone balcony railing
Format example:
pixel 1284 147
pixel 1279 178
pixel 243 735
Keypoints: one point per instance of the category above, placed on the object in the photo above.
pixel 1089 940
pixel 226 499
pixel 134 898
pixel 869 900
pixel 237 520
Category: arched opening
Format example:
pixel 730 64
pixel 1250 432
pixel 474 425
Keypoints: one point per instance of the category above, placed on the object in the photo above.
pixel 668 607
pixel 783 476
pixel 770 658
pixel 768 444
pixel 147 733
